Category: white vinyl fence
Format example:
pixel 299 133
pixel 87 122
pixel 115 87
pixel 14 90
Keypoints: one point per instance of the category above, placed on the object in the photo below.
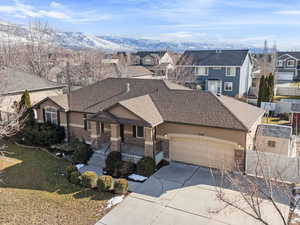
pixel 273 165
pixel 291 91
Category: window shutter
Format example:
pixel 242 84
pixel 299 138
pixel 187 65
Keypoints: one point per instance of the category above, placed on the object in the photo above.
pixel 134 131
pixel 58 118
pixel 44 116
pixel 84 122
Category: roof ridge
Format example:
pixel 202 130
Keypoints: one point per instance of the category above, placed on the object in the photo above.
pixel 228 110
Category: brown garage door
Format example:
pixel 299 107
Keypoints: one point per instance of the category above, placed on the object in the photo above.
pixel 203 151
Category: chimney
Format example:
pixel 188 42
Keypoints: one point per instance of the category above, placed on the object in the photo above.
pixel 127 87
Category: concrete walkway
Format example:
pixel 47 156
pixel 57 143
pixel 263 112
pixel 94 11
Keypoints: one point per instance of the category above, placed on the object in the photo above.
pixel 178 194
pixel 95 164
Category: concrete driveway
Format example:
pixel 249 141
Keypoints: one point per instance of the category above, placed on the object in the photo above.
pixel 178 194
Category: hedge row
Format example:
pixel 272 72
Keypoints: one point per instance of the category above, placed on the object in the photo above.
pixel 90 179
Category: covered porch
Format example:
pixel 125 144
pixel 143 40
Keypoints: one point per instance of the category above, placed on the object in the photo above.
pixel 133 138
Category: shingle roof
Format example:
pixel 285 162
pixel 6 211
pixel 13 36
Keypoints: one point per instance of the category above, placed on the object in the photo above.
pixel 274 131
pixel 213 57
pixel 142 54
pixel 136 71
pixel 294 54
pixel 155 101
pixel 17 81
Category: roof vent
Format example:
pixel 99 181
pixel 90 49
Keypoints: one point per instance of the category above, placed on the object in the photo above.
pixel 127 87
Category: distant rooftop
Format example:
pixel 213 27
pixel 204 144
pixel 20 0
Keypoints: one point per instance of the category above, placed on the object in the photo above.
pixel 214 57
pixel 295 54
pixel 278 131
pixel 14 81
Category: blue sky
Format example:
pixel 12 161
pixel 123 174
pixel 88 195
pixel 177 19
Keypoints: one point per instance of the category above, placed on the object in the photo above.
pixel 232 21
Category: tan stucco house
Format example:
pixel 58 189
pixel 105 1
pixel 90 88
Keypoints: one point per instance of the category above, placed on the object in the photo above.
pixel 13 83
pixel 157 118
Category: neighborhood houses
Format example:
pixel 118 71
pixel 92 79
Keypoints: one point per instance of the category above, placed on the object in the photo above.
pixel 105 130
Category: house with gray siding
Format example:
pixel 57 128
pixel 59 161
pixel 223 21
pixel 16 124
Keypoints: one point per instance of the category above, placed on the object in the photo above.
pixel 226 72
pixel 288 66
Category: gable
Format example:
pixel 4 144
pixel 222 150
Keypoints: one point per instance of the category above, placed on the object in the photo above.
pixel 120 112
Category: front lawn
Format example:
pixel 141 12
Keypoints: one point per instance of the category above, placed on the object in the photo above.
pixel 33 191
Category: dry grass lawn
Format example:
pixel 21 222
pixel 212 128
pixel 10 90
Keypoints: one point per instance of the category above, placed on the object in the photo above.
pixel 33 191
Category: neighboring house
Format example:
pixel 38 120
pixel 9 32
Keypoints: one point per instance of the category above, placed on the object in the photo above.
pixel 157 118
pixel 225 72
pixel 288 66
pixel 159 62
pixel 13 83
pixel 275 139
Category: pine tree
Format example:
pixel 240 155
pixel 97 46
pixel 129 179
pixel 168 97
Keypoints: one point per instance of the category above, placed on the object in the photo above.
pixel 271 86
pixel 260 90
pixel 25 105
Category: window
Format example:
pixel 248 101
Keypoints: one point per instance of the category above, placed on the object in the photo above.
pixel 201 71
pixel 102 128
pixel 138 131
pixel 290 63
pixel 272 144
pixel 51 116
pixel 231 71
pixel 86 123
pixel 280 63
pixel 228 86
pixel 217 68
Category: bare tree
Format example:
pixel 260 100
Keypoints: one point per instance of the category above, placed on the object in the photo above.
pixel 39 48
pixel 252 194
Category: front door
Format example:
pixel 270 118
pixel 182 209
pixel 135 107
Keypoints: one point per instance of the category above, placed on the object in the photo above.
pixel 214 86
pixel 122 132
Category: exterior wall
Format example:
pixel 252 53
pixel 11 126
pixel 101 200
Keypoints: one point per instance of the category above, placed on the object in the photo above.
pixel 281 147
pixel 121 112
pixel 220 74
pixel 151 61
pixel 129 139
pixel 245 77
pixel 166 59
pixel 225 134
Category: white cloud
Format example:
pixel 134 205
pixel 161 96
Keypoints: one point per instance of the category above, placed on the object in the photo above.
pixel 182 35
pixel 289 12
pixel 59 11
pixel 56 5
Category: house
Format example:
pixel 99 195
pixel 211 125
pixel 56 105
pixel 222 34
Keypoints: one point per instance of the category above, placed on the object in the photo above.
pixel 13 83
pixel 157 118
pixel 159 62
pixel 276 139
pixel 288 66
pixel 226 72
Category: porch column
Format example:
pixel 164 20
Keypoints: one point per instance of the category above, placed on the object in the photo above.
pixel 149 142
pixel 95 134
pixel 115 137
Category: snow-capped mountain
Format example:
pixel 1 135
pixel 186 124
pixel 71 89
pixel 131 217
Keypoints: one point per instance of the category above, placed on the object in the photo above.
pixel 79 40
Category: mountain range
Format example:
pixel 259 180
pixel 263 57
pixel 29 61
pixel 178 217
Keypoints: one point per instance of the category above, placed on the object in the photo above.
pixel 80 40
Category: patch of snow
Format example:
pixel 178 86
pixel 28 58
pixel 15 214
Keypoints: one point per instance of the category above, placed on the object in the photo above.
pixel 114 201
pixel 137 177
pixel 79 166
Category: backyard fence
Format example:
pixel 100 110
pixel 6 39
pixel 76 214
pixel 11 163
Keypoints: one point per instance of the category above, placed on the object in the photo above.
pixel 273 165
pixel 289 91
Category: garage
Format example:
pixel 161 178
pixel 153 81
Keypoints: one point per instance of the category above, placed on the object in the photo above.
pixel 285 76
pixel 201 150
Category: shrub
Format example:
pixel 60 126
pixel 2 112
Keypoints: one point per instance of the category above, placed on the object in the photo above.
pixel 146 166
pixel 70 169
pixel 105 183
pixel 89 179
pixel 121 186
pixel 126 169
pixel 75 177
pixel 113 160
pixel 82 151
pixel 42 135
pixel 284 116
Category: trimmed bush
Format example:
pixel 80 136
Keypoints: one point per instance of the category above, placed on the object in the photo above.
pixel 82 151
pixel 70 169
pixel 89 179
pixel 146 166
pixel 113 160
pixel 105 183
pixel 126 169
pixel 75 178
pixel 121 186
pixel 43 135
